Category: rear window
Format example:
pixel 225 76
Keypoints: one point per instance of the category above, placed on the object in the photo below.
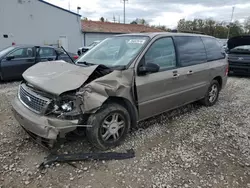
pixel 213 48
pixel 191 50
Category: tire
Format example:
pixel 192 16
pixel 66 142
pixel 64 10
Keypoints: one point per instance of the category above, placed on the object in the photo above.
pixel 207 100
pixel 106 132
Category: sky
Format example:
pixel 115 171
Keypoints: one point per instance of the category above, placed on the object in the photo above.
pixel 159 12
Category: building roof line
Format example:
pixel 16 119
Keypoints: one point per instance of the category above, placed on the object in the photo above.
pixel 109 27
pixel 42 1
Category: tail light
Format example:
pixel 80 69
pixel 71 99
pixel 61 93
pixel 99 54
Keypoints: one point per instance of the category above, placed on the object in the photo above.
pixel 75 57
pixel 227 69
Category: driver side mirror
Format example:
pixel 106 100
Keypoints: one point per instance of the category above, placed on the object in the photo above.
pixel 149 68
pixel 10 57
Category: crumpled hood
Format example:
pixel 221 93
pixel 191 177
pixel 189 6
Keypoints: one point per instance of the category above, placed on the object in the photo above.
pixel 56 77
pixel 238 41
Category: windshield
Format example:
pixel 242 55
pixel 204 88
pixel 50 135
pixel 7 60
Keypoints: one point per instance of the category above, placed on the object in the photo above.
pixel 94 43
pixel 6 50
pixel 116 51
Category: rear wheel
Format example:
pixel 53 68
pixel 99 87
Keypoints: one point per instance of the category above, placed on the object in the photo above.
pixel 212 94
pixel 110 126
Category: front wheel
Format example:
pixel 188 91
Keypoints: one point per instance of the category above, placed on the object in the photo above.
pixel 212 94
pixel 110 125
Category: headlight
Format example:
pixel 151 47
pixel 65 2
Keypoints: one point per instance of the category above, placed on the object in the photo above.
pixel 67 107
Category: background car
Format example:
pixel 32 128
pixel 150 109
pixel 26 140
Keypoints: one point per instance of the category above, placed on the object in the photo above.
pixel 84 49
pixel 14 60
pixel 223 43
pixel 239 55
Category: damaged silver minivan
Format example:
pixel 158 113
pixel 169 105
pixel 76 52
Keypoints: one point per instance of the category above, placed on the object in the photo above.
pixel 123 80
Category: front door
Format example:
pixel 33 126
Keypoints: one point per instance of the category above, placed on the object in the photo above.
pixel 160 91
pixel 22 59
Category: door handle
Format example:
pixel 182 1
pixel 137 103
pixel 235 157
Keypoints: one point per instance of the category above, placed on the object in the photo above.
pixel 175 74
pixel 190 72
pixel 30 60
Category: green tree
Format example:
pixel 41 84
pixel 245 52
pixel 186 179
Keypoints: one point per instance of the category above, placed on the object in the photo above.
pixel 162 27
pixel 141 21
pixel 102 19
pixel 247 25
pixel 133 22
pixel 213 28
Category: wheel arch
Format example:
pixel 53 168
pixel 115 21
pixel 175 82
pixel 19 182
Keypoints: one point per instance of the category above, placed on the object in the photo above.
pixel 132 110
pixel 219 80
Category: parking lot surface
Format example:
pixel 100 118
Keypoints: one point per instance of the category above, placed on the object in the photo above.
pixel 193 146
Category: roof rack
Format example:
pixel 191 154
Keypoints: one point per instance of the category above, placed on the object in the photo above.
pixel 189 31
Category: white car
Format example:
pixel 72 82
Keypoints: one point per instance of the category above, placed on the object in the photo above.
pixel 84 49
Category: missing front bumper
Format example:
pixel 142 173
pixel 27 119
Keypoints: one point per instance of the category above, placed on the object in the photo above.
pixel 41 127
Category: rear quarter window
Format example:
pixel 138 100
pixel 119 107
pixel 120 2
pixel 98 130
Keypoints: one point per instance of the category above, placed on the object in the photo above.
pixel 191 50
pixel 213 49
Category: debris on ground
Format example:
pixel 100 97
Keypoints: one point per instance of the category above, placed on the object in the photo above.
pixel 192 146
pixel 65 158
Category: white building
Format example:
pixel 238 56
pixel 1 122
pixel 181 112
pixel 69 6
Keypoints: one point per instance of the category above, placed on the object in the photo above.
pixel 39 23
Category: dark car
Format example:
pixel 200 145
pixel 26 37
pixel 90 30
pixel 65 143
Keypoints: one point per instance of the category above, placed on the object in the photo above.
pixel 84 49
pixel 14 60
pixel 239 55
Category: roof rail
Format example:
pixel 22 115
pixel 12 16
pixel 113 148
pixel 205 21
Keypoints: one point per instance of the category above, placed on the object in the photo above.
pixel 190 31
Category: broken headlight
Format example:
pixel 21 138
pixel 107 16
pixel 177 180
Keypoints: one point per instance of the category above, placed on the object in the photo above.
pixel 64 107
pixel 68 106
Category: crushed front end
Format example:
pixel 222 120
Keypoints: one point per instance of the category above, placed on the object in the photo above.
pixel 56 98
pixel 45 117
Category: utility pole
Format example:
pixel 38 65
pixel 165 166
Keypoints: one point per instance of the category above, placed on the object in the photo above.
pixel 114 18
pixel 230 22
pixel 124 13
pixel 69 5
pixel 119 19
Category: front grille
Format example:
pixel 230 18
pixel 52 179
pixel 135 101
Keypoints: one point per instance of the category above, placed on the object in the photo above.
pixel 32 100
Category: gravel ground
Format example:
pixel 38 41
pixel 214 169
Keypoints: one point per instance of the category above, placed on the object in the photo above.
pixel 192 146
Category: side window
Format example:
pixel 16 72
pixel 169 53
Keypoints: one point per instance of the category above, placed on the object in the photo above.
pixel 46 52
pixel 162 52
pixel 23 53
pixel 191 50
pixel 213 48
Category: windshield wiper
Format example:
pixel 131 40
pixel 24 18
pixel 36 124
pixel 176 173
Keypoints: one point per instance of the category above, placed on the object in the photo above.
pixel 85 63
pixel 119 67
